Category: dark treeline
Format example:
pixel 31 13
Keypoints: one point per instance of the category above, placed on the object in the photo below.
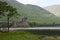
pixel 45 32
pixel 33 24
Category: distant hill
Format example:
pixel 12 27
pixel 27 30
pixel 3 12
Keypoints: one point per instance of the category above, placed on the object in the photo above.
pixel 55 9
pixel 33 13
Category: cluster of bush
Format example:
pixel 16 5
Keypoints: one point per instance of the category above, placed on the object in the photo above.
pixel 33 24
pixel 45 32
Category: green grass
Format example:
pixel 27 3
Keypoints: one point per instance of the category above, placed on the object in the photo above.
pixel 23 35
pixel 17 35
pixel 52 38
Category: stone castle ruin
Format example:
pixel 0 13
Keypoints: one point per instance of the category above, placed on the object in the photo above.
pixel 24 21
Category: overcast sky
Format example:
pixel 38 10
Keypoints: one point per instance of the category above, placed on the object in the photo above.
pixel 42 3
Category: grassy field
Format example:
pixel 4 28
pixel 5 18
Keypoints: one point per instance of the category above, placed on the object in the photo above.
pixel 18 36
pixel 23 35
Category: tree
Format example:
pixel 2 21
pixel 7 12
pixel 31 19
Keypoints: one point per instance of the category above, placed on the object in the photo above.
pixel 7 11
pixel 12 11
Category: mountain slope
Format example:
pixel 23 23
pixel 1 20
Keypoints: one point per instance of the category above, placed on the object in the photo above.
pixel 34 13
pixel 55 9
